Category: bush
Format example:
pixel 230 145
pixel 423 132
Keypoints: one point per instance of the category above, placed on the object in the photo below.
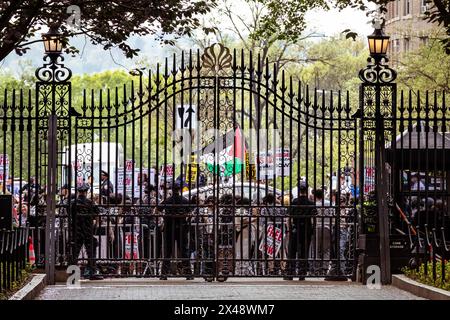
pixel 17 285
pixel 420 276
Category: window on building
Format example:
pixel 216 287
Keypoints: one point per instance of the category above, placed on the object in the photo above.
pixel 397 8
pixel 406 44
pixel 424 40
pixel 407 7
pixel 423 6
pixel 397 45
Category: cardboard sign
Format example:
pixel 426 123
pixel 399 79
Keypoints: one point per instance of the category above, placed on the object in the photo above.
pixel 131 244
pixel 271 245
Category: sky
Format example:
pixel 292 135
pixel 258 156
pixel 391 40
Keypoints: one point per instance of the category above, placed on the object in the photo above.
pixel 94 59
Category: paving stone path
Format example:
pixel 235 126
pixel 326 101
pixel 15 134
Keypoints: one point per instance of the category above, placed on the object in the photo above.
pixel 233 289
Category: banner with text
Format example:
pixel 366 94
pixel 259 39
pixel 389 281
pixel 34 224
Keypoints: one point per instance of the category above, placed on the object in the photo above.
pixel 270 163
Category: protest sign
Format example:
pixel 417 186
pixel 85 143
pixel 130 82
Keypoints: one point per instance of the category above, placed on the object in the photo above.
pixel 131 245
pixel 271 245
pixel 129 180
pixel 270 163
pixel 250 168
pixel 166 173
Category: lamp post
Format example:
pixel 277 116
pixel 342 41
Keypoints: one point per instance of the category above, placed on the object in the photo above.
pixel 53 92
pixel 377 110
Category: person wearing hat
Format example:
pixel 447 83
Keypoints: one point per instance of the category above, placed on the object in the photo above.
pixel 301 212
pixel 83 216
pixel 106 188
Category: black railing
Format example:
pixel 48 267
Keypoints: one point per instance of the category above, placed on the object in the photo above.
pixel 13 256
pixel 249 242
pixel 418 157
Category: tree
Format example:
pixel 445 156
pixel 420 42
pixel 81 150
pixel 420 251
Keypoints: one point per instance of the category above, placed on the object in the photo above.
pixel 273 30
pixel 107 23
pixel 335 62
pixel 440 13
pixel 427 68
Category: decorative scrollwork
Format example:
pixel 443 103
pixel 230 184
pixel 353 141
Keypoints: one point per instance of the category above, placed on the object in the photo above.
pixel 377 71
pixel 54 70
pixel 216 59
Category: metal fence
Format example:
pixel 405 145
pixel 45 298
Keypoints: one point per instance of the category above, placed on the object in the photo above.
pixel 418 167
pixel 13 256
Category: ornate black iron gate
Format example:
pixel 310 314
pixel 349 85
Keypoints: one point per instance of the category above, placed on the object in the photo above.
pixel 237 138
pixel 213 165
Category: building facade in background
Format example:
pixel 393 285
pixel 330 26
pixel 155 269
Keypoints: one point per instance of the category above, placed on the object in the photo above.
pixel 406 26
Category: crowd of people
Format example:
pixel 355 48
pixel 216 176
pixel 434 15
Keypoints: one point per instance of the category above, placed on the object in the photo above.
pixel 308 235
pixel 424 204
pixel 289 236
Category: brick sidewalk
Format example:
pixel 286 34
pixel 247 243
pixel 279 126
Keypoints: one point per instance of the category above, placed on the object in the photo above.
pixel 233 289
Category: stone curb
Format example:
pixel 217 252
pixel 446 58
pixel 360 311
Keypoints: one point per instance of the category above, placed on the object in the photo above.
pixel 419 289
pixel 32 289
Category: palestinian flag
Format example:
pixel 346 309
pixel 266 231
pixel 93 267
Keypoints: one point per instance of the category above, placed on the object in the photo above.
pixel 230 159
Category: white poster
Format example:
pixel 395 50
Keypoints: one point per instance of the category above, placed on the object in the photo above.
pixel 129 180
pixel 268 162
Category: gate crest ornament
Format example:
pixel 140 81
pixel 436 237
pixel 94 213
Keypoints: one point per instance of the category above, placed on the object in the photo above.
pixel 216 59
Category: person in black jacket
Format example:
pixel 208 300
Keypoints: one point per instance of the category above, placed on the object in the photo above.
pixel 176 211
pixel 83 214
pixel 301 212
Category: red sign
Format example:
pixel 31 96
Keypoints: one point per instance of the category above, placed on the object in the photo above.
pixel 131 244
pixel 166 171
pixel 272 233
